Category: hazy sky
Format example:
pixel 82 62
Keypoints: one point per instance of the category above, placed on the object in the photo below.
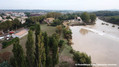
pixel 60 4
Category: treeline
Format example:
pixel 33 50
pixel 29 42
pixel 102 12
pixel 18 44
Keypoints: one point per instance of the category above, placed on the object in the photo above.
pixel 107 13
pixel 111 19
pixel 69 16
pixel 10 25
pixel 59 18
pixel 109 16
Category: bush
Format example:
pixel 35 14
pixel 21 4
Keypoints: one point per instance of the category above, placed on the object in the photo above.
pixel 56 22
pixel 61 43
pixel 7 43
pixel 32 28
pixel 72 51
pixel 81 58
pixel 5 64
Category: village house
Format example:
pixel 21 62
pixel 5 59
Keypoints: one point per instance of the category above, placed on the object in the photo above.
pixel 20 33
pixel 22 19
pixel 49 20
pixel 76 21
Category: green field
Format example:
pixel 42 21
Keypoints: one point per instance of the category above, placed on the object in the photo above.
pixel 49 29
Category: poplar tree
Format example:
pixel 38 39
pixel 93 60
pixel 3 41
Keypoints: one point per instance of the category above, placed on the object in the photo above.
pixel 42 55
pixel 30 49
pixel 18 54
pixel 47 49
pixel 55 56
pixel 37 32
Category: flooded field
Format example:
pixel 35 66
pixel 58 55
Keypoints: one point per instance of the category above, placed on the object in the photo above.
pixel 100 41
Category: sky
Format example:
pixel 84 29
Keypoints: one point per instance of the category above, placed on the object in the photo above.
pixel 60 4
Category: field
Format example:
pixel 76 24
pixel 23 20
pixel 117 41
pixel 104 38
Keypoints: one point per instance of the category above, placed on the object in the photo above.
pixel 49 29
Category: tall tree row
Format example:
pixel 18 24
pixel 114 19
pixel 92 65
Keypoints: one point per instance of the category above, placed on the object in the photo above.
pixel 41 53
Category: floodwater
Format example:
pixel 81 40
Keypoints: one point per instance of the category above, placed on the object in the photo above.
pixel 99 41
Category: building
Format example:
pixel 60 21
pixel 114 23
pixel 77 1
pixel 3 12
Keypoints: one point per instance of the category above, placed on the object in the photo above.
pixel 79 19
pixel 20 34
pixel 0 18
pixel 49 20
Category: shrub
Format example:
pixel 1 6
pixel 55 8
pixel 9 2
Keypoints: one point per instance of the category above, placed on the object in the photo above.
pixel 32 28
pixel 81 58
pixel 61 43
pixel 7 43
pixel 5 64
pixel 72 51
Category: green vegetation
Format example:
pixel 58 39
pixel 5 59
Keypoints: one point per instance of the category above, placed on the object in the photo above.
pixel 85 17
pixel 30 57
pixel 88 18
pixel 69 16
pixel 55 52
pixel 111 19
pixel 18 53
pixel 45 50
pixel 92 17
pixel 56 22
pixel 67 35
pixel 48 29
pixel 41 52
pixel 10 25
pixel 59 29
pixel 81 58
pixel 107 13
pixel 5 64
pixel 53 15
pixel 109 16
pixel 7 43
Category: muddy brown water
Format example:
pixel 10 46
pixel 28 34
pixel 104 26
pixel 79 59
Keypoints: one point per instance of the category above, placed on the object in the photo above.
pixel 99 41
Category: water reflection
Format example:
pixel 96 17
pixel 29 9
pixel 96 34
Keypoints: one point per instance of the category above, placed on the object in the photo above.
pixel 84 31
